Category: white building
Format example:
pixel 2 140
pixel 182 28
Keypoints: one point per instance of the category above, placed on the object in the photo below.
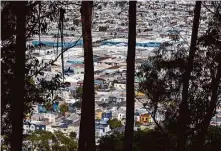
pixel 120 86
pixel 51 117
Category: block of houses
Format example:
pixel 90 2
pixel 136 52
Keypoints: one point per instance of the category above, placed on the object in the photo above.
pixel 30 126
pixel 36 117
pixel 120 85
pixel 65 128
pixel 51 117
pixel 101 130
pixel 116 98
pixel 102 98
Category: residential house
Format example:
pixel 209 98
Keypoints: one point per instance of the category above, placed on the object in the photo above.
pixel 35 108
pixel 51 117
pixel 98 114
pixel 118 115
pixel 50 128
pixel 99 81
pixel 63 127
pixel 41 109
pixel 145 118
pixel 101 129
pixel 73 117
pixel 122 108
pixel 70 101
pixel 107 115
pixel 136 117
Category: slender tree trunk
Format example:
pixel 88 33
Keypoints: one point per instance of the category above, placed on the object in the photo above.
pixel 129 128
pixel 200 138
pixel 39 26
pixel 183 108
pixel 62 11
pixel 87 125
pixel 18 90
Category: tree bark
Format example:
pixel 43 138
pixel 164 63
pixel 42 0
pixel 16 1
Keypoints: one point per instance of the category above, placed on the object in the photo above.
pixel 129 128
pixel 183 108
pixel 18 90
pixel 87 124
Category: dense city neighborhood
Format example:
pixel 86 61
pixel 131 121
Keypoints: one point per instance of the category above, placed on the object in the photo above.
pixel 157 23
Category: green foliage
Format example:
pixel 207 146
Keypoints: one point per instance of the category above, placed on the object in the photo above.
pixel 47 141
pixel 114 123
pixel 112 142
pixel 213 138
pixel 48 106
pixel 39 139
pixel 137 123
pixel 79 92
pixel 64 108
pixel 143 140
pixel 73 135
pixel 67 143
pixel 155 140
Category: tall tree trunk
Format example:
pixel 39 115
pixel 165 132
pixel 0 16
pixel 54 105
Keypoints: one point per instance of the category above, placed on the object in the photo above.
pixel 200 138
pixel 87 125
pixel 62 11
pixel 18 91
pixel 129 128
pixel 183 108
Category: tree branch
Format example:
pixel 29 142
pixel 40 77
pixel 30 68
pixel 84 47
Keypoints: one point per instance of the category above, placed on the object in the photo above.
pixel 153 117
pixel 50 63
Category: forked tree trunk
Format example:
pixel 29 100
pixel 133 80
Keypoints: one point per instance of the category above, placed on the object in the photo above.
pixel 183 108
pixel 129 128
pixel 87 124
pixel 18 90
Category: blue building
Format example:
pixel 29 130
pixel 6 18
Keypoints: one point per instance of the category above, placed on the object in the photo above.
pixel 55 44
pixel 55 106
pixel 139 44
pixel 41 109
pixel 99 81
pixel 107 115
